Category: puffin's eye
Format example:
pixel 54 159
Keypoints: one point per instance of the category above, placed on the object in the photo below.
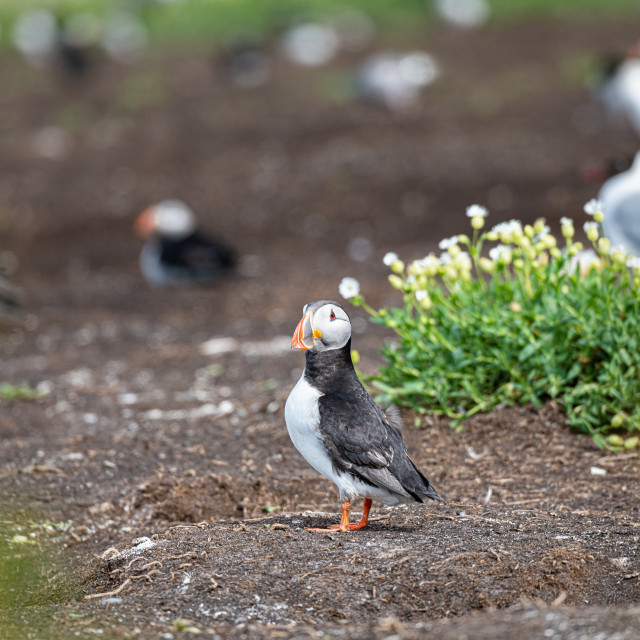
pixel 332 315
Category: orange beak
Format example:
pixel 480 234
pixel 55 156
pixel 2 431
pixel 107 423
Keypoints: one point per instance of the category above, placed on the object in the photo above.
pixel 304 334
pixel 634 51
pixel 594 173
pixel 144 224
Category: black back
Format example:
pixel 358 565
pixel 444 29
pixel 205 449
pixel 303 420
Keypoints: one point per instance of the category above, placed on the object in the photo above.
pixel 355 430
pixel 196 252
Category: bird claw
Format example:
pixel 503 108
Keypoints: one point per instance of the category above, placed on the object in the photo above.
pixel 352 526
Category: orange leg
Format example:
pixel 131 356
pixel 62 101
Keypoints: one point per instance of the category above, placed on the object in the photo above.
pixel 366 505
pixel 345 525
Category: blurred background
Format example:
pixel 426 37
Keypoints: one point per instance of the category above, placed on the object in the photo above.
pixel 179 177
pixel 307 138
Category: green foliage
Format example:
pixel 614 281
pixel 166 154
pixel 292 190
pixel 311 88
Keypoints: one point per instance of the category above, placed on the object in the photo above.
pixel 19 392
pixel 34 579
pixel 207 20
pixel 527 323
pixel 29 572
pixel 184 626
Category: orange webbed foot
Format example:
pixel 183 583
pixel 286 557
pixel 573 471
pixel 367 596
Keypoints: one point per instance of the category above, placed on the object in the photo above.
pixel 345 525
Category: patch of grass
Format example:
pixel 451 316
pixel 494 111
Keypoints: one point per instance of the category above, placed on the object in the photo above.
pixel 518 9
pixel 20 391
pixel 524 324
pixel 210 20
pixel 181 625
pixel 32 577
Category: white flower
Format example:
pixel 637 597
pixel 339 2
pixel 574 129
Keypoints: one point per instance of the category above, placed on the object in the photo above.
pixel 421 295
pixel 476 210
pixel 590 225
pixel 445 258
pixel 566 222
pixel 583 260
pixel 500 252
pixel 543 233
pixel 430 262
pixel 508 228
pixel 349 288
pixel 389 258
pixel 634 263
pixel 463 259
pixel 427 266
pixel 445 243
pixel 593 206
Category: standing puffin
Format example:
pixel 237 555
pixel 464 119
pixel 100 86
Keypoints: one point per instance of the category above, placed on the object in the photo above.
pixel 339 429
pixel 175 252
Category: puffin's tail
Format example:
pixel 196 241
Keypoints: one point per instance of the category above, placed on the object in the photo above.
pixel 426 490
pixel 431 493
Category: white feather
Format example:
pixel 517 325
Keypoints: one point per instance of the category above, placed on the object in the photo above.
pixel 302 415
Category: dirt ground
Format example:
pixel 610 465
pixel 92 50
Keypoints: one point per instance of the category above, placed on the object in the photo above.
pixel 159 449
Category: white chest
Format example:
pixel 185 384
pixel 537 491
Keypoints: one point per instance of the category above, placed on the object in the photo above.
pixel 302 415
pixel 150 264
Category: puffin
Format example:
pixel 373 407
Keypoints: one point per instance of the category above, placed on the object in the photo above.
pixel 395 80
pixel 9 297
pixel 68 43
pixel 175 252
pixel 619 92
pixel 338 427
pixel 620 198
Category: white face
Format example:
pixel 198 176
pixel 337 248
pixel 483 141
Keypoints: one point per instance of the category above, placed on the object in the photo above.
pixel 334 325
pixel 173 219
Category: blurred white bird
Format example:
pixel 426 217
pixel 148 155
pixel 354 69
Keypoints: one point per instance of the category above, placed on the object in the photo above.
pixel 246 62
pixel 310 44
pixel 47 40
pixel 620 90
pixel 620 199
pixel 396 80
pixel 314 44
pixel 175 252
pixel 463 13
pixel 125 36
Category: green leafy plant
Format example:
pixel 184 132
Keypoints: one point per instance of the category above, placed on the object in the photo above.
pixel 19 392
pixel 184 626
pixel 522 323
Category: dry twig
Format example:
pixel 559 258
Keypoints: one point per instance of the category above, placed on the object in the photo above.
pixel 109 594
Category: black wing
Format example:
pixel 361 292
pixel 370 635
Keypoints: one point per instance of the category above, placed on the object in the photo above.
pixel 196 252
pixel 360 440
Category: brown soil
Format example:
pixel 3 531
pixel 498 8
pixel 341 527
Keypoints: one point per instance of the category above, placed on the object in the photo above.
pixel 143 435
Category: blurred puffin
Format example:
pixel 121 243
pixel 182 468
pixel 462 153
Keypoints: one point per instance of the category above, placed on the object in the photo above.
pixel 339 429
pixel 620 89
pixel 9 297
pixel 9 294
pixel 246 63
pixel 49 40
pixel 620 198
pixel 611 166
pixel 175 252
pixel 395 80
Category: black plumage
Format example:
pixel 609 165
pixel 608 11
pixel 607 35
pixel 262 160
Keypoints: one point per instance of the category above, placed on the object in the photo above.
pixel 176 252
pixel 197 254
pixel 356 432
pixel 338 427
